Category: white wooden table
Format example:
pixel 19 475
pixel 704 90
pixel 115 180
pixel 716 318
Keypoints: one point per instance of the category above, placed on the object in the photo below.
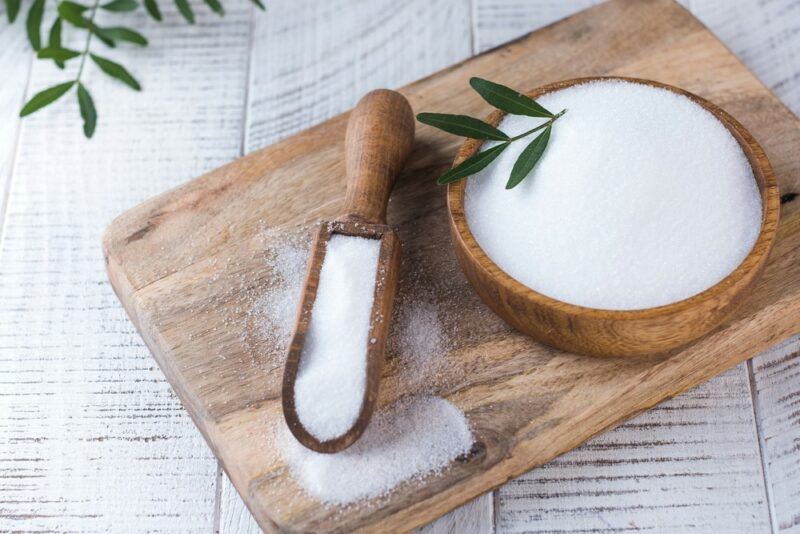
pixel 92 439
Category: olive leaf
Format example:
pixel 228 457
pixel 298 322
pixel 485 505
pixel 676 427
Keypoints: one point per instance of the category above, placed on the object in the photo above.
pixel 186 10
pixel 507 99
pixel 462 125
pixel 152 9
pixel 12 9
pixel 472 164
pixel 59 54
pixel 88 112
pixel 54 39
pixel 33 24
pixel 103 35
pixel 115 70
pixel 73 13
pixel 120 5
pixel 120 33
pixel 528 159
pixel 43 98
pixel 82 17
pixel 216 7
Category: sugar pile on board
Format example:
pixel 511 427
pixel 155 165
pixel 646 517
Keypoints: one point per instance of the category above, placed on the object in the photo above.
pixel 418 342
pixel 413 438
pixel 331 376
pixel 273 310
pixel 642 198
pixel 408 440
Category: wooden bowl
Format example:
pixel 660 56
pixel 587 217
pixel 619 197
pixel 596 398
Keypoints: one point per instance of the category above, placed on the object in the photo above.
pixel 602 332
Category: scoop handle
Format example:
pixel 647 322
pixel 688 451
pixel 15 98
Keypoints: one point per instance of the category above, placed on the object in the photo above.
pixel 380 133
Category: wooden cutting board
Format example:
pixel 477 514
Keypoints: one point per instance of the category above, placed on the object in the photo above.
pixel 188 266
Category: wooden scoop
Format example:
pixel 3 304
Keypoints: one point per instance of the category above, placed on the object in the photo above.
pixel 380 133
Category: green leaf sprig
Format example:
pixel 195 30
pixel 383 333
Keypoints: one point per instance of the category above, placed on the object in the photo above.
pixel 504 99
pixel 81 17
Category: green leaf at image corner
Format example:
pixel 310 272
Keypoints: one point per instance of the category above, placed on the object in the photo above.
pixel 58 54
pixel 72 12
pixel 216 7
pixel 101 34
pixel 186 10
pixel 120 33
pixel 118 6
pixel 528 159
pixel 117 71
pixel 54 39
pixel 88 111
pixel 507 99
pixel 462 125
pixel 33 24
pixel 260 5
pixel 152 9
pixel 472 164
pixel 12 9
pixel 45 97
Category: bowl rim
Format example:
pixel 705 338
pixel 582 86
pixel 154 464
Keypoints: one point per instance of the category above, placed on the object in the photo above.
pixel 751 264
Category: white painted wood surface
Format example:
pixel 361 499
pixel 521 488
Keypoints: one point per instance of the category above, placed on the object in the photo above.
pixel 92 438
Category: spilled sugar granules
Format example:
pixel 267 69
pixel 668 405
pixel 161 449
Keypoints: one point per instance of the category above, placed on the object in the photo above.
pixel 274 310
pixel 382 458
pixel 413 438
pixel 642 198
pixel 331 377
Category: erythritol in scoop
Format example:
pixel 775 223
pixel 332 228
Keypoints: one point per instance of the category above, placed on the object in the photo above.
pixel 331 376
pixel 643 198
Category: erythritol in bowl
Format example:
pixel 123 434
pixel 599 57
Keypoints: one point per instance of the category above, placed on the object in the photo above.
pixel 642 198
pixel 647 222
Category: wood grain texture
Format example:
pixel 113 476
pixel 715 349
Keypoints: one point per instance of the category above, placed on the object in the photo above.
pixel 312 60
pixel 475 517
pixel 616 332
pixel 691 464
pixel 766 37
pixel 659 43
pixel 777 393
pixel 15 64
pixel 499 21
pixel 91 437
pixel 234 517
pixel 379 326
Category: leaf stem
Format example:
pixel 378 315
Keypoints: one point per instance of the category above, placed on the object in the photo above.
pixel 545 124
pixel 88 40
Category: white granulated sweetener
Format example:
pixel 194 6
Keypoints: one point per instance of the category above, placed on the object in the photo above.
pixel 413 438
pixel 331 376
pixel 408 440
pixel 641 199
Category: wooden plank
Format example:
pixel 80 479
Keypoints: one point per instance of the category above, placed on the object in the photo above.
pixel 767 47
pixel 15 64
pixel 311 61
pixel 499 21
pixel 234 517
pixel 764 35
pixel 777 388
pixel 93 439
pixel 690 464
pixel 163 256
